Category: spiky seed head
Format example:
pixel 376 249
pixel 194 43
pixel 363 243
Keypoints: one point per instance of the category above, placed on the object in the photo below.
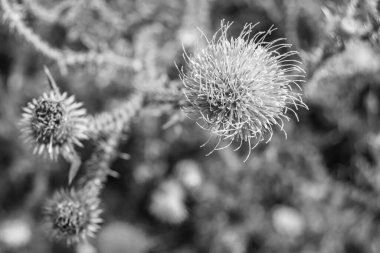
pixel 54 123
pixel 72 216
pixel 240 88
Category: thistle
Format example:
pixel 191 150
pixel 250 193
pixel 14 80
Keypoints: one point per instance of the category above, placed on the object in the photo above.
pixel 240 88
pixel 72 216
pixel 54 123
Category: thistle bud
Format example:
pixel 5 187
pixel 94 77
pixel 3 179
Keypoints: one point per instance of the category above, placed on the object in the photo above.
pixel 54 123
pixel 72 216
pixel 240 88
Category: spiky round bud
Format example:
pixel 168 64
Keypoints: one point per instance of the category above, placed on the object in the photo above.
pixel 239 88
pixel 54 123
pixel 72 216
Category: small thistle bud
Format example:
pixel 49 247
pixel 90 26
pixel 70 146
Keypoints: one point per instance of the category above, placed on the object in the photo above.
pixel 239 88
pixel 54 123
pixel 72 216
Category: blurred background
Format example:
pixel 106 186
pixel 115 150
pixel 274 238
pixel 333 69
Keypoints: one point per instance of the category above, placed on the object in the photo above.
pixel 315 192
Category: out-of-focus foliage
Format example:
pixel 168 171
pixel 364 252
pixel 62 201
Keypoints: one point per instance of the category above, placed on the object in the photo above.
pixel 317 191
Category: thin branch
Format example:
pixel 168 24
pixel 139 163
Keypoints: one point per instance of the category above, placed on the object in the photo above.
pixel 15 22
pixel 48 15
pixel 64 58
pixel 116 119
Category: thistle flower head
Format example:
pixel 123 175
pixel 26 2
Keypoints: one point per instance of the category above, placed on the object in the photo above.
pixel 72 216
pixel 240 88
pixel 54 123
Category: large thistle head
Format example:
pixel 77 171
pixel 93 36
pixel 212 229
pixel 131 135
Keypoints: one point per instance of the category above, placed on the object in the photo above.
pixel 54 123
pixel 240 88
pixel 72 216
